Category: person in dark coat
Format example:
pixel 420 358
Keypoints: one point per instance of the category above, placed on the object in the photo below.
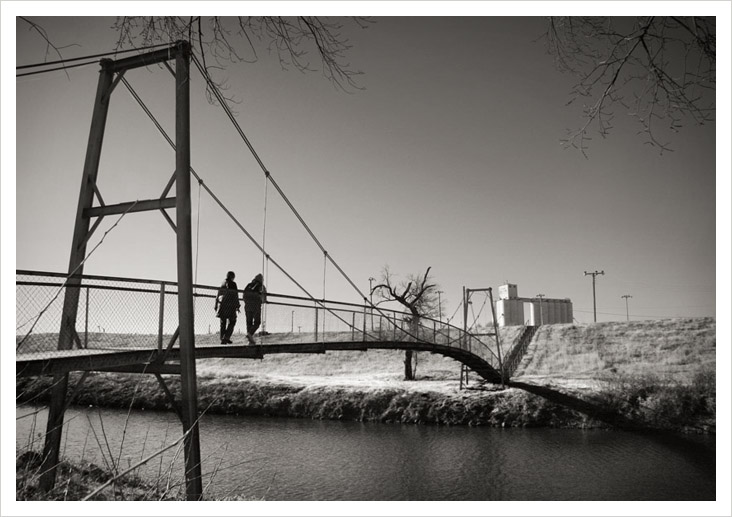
pixel 254 295
pixel 226 306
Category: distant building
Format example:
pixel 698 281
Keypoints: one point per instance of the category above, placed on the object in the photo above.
pixel 511 309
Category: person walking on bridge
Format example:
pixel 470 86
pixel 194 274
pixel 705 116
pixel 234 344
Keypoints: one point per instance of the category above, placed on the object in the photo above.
pixel 226 306
pixel 254 295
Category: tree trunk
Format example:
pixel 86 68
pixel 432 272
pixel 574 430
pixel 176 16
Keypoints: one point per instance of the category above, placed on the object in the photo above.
pixel 408 370
pixel 409 366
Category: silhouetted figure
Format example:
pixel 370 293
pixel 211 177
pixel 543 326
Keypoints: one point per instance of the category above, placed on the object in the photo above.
pixel 254 295
pixel 227 305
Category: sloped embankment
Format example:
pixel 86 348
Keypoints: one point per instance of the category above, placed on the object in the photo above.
pixel 674 349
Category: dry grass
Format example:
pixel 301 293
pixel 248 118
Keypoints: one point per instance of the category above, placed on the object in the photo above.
pixel 677 349
pixel 374 364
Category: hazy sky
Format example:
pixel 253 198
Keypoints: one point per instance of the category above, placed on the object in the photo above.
pixel 449 157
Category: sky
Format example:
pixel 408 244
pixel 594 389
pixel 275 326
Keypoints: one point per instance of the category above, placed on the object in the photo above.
pixel 448 158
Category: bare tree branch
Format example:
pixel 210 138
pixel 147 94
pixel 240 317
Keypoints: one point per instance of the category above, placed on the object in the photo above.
pixel 221 41
pixel 662 70
pixel 49 45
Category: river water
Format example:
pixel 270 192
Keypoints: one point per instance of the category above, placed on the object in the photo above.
pixel 295 459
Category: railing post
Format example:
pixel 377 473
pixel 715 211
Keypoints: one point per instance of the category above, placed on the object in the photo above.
pixel 380 321
pixel 364 323
pixel 434 331
pixel 353 327
pixel 160 316
pixel 86 320
pixel 316 324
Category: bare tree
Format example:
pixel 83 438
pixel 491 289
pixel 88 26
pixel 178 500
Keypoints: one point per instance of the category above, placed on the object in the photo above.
pixel 221 41
pixel 661 70
pixel 419 296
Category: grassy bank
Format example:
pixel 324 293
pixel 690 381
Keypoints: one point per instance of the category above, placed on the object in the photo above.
pixel 652 375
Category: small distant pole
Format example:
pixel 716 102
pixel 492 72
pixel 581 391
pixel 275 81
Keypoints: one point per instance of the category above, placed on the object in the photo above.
pixel 594 302
pixel 627 314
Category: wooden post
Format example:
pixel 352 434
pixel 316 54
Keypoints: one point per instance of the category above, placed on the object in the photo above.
pixel 353 327
pixel 364 323
pixel 57 404
pixel 316 324
pixel 189 391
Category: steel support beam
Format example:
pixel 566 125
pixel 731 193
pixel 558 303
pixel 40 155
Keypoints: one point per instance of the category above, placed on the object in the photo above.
pixel 71 297
pixel 189 390
pixel 133 206
pixel 152 58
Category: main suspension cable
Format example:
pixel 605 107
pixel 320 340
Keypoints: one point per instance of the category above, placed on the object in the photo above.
pixel 274 183
pixel 224 105
pixel 215 198
pixel 104 54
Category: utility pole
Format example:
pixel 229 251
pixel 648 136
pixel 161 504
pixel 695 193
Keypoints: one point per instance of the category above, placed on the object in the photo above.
pixel 541 309
pixel 627 314
pixel 594 300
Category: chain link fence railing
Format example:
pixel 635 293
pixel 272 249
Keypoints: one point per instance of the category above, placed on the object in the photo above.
pixel 124 313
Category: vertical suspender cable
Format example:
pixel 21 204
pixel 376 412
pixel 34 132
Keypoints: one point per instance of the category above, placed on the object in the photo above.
pixel 198 234
pixel 264 224
pixel 265 262
pixel 325 265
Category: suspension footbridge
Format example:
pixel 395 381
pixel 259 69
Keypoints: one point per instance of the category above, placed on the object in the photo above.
pixel 130 325
pixel 75 322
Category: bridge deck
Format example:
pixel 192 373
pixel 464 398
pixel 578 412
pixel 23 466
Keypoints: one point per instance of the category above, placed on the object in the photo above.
pixel 145 359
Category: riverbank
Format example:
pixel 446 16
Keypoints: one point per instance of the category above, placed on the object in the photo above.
pixel 655 375
pixel 621 403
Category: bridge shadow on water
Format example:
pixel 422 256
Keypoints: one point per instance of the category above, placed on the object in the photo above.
pixel 699 452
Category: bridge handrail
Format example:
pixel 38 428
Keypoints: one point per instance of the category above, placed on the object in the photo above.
pixel 454 336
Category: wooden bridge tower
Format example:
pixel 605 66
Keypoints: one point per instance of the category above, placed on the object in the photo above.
pixel 110 75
